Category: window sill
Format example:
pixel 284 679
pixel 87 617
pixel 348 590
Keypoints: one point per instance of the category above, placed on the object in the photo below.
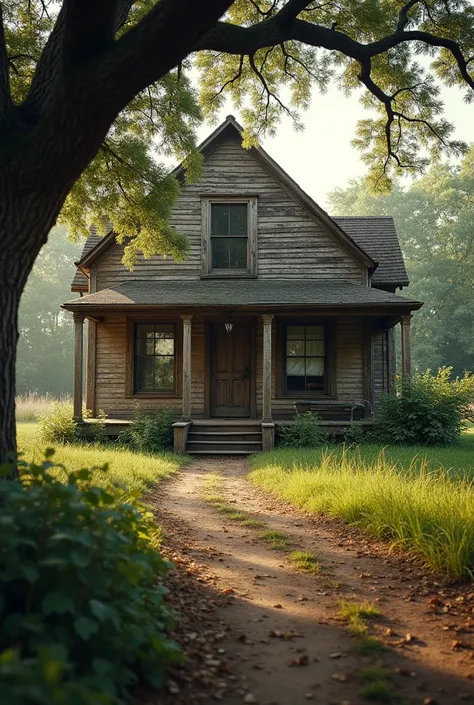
pixel 232 275
pixel 311 396
pixel 154 395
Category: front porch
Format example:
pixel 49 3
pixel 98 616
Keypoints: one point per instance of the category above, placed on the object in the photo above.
pixel 237 368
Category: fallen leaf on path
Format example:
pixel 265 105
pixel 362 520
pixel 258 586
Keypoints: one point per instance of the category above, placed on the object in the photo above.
pixel 338 654
pixel 250 698
pixel 300 661
pixel 340 677
pixel 278 606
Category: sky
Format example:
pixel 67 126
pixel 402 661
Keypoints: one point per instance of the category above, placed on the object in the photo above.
pixel 321 157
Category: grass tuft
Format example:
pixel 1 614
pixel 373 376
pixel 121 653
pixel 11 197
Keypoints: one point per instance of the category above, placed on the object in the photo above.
pixel 420 506
pixel 303 560
pixel 357 611
pixel 382 691
pixel 277 540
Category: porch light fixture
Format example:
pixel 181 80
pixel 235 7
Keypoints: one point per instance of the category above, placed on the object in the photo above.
pixel 228 326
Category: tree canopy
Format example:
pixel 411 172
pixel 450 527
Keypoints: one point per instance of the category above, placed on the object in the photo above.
pixel 435 222
pixel 266 55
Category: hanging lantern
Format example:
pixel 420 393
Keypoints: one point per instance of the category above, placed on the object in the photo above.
pixel 228 326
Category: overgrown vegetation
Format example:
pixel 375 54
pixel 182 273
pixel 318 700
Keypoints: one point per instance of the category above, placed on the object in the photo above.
pixel 426 409
pixel 83 616
pixel 136 470
pixel 276 539
pixel 150 433
pixel 57 424
pixel 304 432
pixel 419 508
pixel 31 405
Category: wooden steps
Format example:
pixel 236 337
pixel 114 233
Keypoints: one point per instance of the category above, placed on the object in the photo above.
pixel 226 437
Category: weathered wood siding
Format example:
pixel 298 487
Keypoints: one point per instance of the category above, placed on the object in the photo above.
pixel 111 362
pixel 348 367
pixel 290 243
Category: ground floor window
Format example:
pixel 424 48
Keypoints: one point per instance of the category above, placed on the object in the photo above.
pixel 155 357
pixel 305 358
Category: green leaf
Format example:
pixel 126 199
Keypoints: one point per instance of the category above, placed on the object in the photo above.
pixel 102 666
pixel 85 627
pixel 80 559
pixel 56 603
pixel 101 610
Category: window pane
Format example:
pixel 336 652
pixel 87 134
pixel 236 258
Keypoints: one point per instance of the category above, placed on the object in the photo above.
pixel 315 366
pixel 295 384
pixel 314 384
pixel 220 253
pixel 295 332
pixel 220 219
pixel 238 253
pixel 294 347
pixel 145 374
pixel 315 348
pixel 314 332
pixel 145 330
pixel 295 366
pixel 164 346
pixel 238 219
pixel 164 372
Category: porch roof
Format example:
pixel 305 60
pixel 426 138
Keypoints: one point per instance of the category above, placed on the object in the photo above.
pixel 240 292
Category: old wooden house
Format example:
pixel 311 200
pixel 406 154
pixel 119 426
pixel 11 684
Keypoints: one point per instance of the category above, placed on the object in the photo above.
pixel 278 307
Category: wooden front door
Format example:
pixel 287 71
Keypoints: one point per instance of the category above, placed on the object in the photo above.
pixel 230 371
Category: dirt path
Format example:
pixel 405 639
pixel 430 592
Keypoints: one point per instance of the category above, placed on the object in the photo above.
pixel 256 630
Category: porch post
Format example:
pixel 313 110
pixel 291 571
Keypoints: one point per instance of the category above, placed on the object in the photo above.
pixel 267 368
pixel 78 353
pixel 406 346
pixel 187 318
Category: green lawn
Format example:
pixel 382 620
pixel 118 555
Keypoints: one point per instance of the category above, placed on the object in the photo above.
pixel 419 498
pixel 136 470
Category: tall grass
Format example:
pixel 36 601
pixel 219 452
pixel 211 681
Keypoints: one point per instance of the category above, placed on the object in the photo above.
pixel 137 471
pixel 30 406
pixel 422 510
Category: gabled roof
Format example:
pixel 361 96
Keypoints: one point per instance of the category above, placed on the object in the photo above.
pixel 371 241
pixel 242 292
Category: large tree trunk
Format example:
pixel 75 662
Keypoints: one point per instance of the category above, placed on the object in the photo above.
pixel 24 227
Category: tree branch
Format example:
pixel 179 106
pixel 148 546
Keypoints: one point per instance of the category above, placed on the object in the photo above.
pixel 403 18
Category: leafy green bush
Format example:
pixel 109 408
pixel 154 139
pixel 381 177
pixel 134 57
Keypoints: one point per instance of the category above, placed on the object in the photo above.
pixel 354 433
pixel 150 434
pixel 97 429
pixel 58 425
pixel 426 409
pixel 81 613
pixel 304 432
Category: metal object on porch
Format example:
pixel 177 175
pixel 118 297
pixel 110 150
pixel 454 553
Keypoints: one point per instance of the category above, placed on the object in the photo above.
pixel 228 326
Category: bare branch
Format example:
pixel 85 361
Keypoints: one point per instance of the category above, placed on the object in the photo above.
pixel 232 80
pixel 270 93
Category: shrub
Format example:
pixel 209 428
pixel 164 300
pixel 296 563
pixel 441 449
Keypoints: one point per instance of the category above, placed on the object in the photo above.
pixel 305 432
pixel 426 409
pixel 82 618
pixel 97 430
pixel 58 425
pixel 150 434
pixel 354 433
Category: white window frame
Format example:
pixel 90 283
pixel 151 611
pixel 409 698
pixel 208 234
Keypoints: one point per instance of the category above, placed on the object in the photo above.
pixel 206 249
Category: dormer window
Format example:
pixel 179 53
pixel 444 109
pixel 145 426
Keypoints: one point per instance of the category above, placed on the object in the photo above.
pixel 229 238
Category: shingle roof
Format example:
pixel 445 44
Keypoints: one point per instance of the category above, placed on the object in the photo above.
pixel 80 281
pixel 378 237
pixel 241 292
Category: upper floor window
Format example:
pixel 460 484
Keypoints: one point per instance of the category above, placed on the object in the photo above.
pixel 229 235
pixel 229 238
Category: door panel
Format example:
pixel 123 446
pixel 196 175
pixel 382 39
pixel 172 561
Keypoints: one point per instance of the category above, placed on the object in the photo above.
pixel 230 371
